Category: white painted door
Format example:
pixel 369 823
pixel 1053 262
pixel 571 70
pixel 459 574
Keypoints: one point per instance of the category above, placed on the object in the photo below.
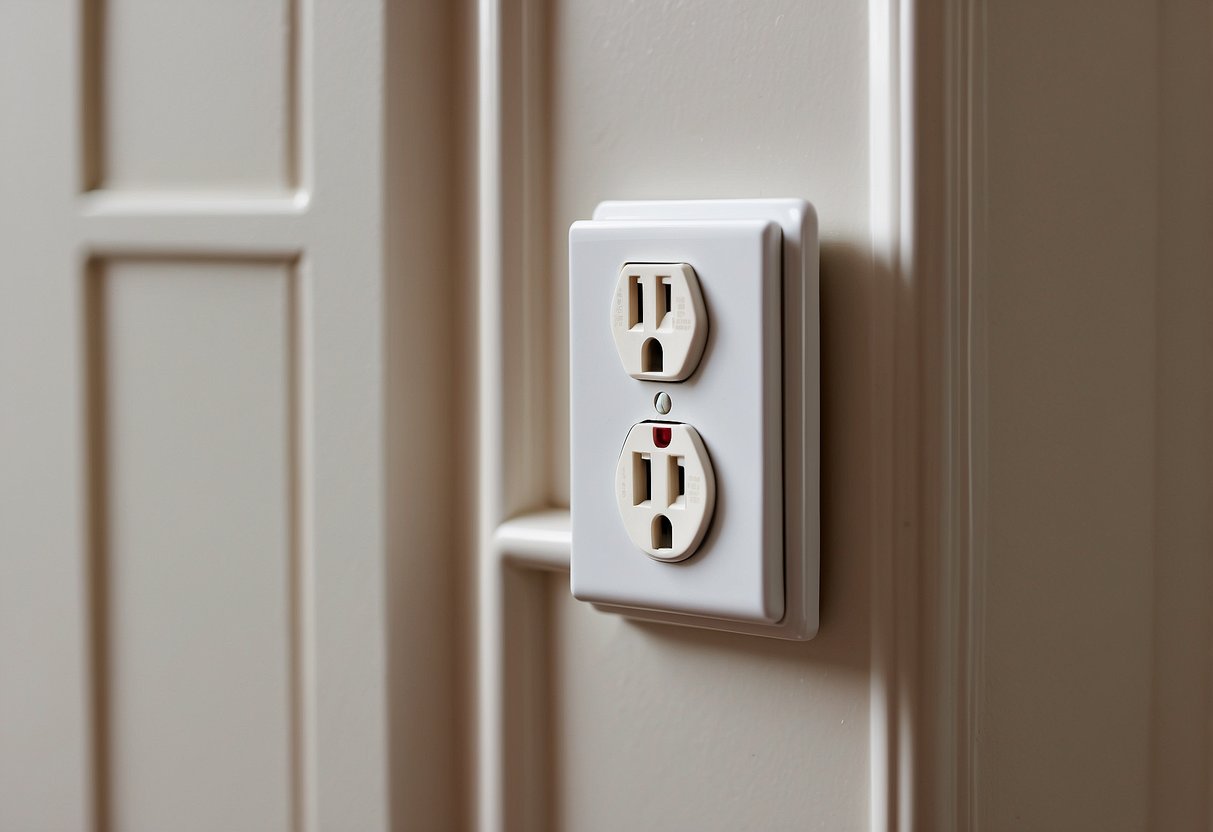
pixel 207 317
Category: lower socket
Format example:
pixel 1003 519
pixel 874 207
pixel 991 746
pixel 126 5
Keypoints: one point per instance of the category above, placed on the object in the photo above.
pixel 665 489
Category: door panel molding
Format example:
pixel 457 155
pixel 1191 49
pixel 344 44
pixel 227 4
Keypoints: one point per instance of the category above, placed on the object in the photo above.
pixel 511 748
pixel 926 143
pixel 148 577
pixel 942 358
pixel 320 232
pixel 157 113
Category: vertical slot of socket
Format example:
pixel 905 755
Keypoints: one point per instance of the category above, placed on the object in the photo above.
pixel 642 478
pixel 676 477
pixel 635 303
pixel 665 303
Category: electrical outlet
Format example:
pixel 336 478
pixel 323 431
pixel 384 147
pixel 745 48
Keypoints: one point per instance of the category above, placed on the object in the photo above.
pixel 742 404
pixel 658 320
pixel 665 489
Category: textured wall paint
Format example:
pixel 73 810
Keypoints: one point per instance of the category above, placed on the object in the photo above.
pixel 659 727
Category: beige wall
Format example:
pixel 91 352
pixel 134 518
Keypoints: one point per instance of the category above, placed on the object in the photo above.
pixel 1087 324
pixel 658 727
pixel 1096 696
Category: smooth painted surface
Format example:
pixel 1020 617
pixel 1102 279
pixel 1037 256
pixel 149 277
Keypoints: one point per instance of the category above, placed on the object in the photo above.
pixel 702 101
pixel 228 692
pixel 44 728
pixel 197 547
pixel 1182 674
pixel 736 572
pixel 659 727
pixel 423 319
pixel 191 95
pixel 1094 711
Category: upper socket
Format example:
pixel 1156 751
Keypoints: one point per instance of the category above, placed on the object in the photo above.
pixel 659 321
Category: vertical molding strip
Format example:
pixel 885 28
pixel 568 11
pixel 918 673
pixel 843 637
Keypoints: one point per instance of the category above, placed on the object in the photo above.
pixel 963 574
pixel 889 126
pixel 490 800
pixel 300 578
pixel 510 774
pixel 927 217
pixel 96 568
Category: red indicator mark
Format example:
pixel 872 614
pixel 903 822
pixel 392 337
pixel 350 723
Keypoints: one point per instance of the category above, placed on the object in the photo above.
pixel 662 436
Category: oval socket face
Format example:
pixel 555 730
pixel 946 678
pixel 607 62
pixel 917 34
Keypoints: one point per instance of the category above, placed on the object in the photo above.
pixel 665 489
pixel 659 320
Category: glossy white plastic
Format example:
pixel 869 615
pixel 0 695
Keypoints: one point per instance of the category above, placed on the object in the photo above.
pixel 658 320
pixel 753 400
pixel 665 489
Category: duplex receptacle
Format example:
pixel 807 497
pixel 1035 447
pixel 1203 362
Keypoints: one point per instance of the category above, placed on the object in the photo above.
pixel 716 480
pixel 665 489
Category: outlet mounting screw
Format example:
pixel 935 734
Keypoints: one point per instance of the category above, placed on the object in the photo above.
pixel 663 403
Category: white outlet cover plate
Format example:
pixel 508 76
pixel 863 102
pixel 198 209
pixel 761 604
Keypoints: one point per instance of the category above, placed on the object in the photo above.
pixel 754 400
